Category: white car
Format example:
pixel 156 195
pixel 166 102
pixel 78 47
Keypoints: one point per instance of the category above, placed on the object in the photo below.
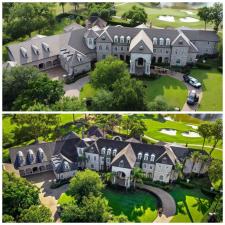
pixel 194 82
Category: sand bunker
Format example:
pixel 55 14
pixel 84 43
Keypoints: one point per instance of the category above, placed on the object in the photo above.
pixel 188 12
pixel 168 118
pixel 190 134
pixel 171 132
pixel 166 18
pixel 189 20
pixel 192 126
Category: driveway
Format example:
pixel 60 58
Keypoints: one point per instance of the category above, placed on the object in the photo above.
pixel 48 196
pixel 167 201
pixel 186 107
pixel 71 90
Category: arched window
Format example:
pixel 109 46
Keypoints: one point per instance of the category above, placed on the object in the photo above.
pixel 167 41
pixel 103 151
pixel 146 156
pixel 152 158
pixel 121 39
pixel 114 152
pixel 121 163
pixel 109 151
pixel 116 39
pixel 161 41
pixel 139 155
pixel 155 41
pixel 128 39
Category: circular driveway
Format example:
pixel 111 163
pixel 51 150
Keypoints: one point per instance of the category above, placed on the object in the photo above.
pixel 167 201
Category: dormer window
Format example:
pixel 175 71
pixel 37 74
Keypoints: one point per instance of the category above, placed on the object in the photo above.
pixel 146 156
pixel 90 41
pixel 161 41
pixel 109 151
pixel 167 41
pixel 45 46
pixel 79 57
pixel 155 41
pixel 23 52
pixel 114 152
pixel 121 163
pixel 139 155
pixel 103 151
pixel 116 39
pixel 152 158
pixel 121 39
pixel 35 49
pixel 128 39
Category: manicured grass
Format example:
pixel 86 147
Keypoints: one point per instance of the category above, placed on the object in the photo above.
pixel 138 206
pixel 154 13
pixel 192 204
pixel 172 91
pixel 212 86
pixel 87 91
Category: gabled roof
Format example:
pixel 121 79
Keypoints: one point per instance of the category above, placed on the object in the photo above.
pixel 104 37
pixel 73 26
pixel 95 21
pixel 133 140
pixel 127 155
pixel 94 131
pixel 90 33
pixel 141 43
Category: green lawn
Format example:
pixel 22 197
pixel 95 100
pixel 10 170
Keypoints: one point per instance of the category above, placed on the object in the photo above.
pixel 154 13
pixel 171 90
pixel 192 204
pixel 212 86
pixel 138 206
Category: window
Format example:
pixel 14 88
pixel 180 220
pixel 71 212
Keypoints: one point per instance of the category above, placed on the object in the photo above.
pixel 155 41
pixel 109 151
pixel 115 48
pixel 107 47
pixel 114 152
pixel 144 166
pixel 90 41
pixel 103 151
pixel 161 41
pixel 121 48
pixel 121 39
pixel 161 177
pixel 100 47
pixel 116 39
pixel 121 163
pixel 152 158
pixel 89 157
pixel 178 61
pixel 103 56
pixel 150 167
pixel 167 51
pixel 139 155
pixel 146 156
pixel 180 42
pixel 108 160
pixel 154 50
pixel 92 166
pixel 128 39
pixel 95 158
pixel 167 41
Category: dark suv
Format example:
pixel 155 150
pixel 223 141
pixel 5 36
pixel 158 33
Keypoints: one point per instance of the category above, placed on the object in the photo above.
pixel 186 78
pixel 192 98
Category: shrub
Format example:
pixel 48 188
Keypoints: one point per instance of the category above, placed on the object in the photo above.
pixel 208 192
pixel 187 185
pixel 203 66
pixel 220 68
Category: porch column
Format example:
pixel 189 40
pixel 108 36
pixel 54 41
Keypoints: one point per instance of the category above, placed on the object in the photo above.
pixel 132 67
pixel 147 68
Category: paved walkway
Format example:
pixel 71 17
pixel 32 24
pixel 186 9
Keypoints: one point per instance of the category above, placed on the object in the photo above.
pixel 167 201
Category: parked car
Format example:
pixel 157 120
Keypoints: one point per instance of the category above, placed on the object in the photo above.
pixel 192 98
pixel 192 81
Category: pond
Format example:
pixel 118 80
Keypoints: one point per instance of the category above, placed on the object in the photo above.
pixel 138 206
pixel 189 20
pixel 168 131
pixel 190 134
pixel 166 18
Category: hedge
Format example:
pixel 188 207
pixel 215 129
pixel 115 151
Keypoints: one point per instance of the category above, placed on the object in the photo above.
pixel 203 66
pixel 187 185
pixel 208 192
pixel 166 187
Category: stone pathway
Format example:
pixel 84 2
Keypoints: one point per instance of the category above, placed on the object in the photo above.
pixel 167 201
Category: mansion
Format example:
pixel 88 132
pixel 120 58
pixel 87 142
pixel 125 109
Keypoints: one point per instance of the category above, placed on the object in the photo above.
pixel 78 47
pixel 71 153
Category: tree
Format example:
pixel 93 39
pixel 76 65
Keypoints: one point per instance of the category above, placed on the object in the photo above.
pixel 36 214
pixel 205 131
pixel 35 88
pixel 138 128
pixel 159 104
pixel 62 4
pixel 28 17
pixel 127 123
pixel 128 95
pixel 137 175
pixel 217 14
pixel 69 104
pixel 102 121
pixel 216 133
pixel 91 209
pixel 216 173
pixel 205 15
pixel 194 156
pixel 179 170
pixel 36 125
pixel 7 219
pixel 107 177
pixel 102 101
pixel 75 5
pixel 108 71
pixel 18 194
pixel 84 183
pixel 136 15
